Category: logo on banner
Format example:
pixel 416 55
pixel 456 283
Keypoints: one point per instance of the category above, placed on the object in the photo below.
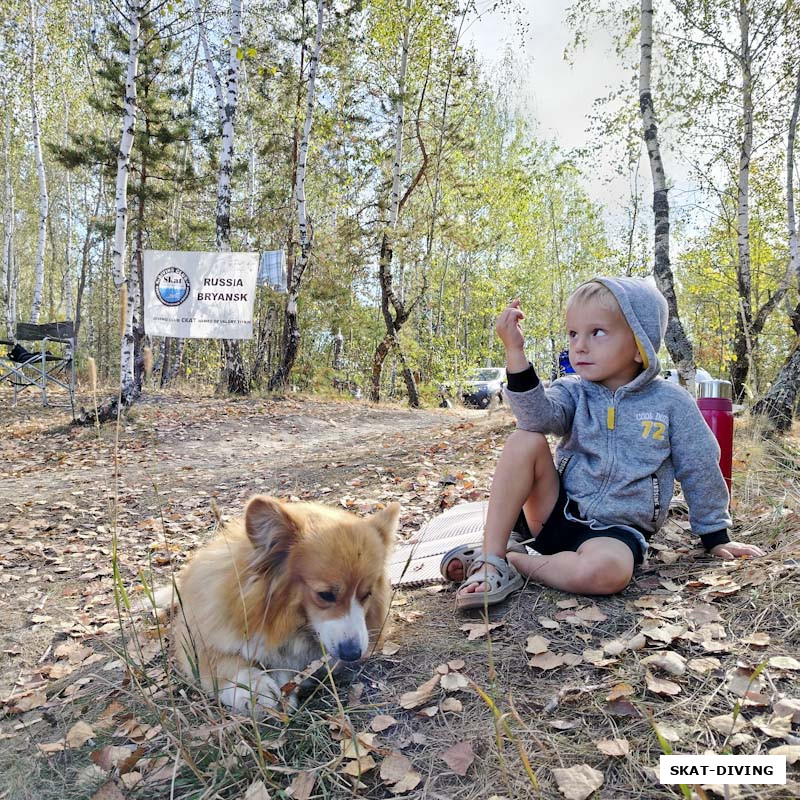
pixel 172 286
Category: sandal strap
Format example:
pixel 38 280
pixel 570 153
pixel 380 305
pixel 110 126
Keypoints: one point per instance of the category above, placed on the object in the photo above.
pixel 500 564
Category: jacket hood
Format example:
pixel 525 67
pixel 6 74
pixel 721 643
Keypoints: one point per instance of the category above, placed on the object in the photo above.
pixel 645 310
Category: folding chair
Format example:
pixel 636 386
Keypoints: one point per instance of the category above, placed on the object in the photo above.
pixel 34 367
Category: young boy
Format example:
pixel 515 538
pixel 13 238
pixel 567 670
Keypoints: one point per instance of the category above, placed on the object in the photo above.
pixel 627 434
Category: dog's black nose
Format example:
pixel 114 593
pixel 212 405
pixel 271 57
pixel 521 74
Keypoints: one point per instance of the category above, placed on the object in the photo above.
pixel 350 650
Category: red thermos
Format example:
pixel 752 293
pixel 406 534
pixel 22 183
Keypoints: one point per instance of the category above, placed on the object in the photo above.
pixel 714 399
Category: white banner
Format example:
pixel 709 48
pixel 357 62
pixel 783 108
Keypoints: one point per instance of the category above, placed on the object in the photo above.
pixel 199 295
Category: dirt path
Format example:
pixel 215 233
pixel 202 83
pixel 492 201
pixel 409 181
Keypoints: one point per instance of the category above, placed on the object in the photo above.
pixel 224 442
pixel 175 457
pixel 693 648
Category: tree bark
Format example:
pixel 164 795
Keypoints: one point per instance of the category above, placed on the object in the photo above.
pixel 378 357
pixel 44 203
pixel 130 372
pixel 780 401
pixel 291 333
pixel 234 376
pixel 133 340
pixel 126 143
pixel 779 404
pixel 7 279
pixel 678 344
pixel 394 310
pixel 748 324
pixel 741 365
pixel 67 282
pixel 129 391
pixel 171 361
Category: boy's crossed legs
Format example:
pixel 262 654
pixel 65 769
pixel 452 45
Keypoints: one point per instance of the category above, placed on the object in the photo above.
pixel 526 477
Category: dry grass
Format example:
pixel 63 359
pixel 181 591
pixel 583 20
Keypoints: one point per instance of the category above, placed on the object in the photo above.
pixel 552 718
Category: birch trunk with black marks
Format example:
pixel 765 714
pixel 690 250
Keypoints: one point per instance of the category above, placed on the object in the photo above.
pixel 678 344
pixel 128 387
pixel 136 282
pixel 234 376
pixel 228 120
pixel 779 403
pixel 742 354
pixel 119 248
pixel 67 278
pixel 127 391
pixel 172 348
pixel 252 149
pixel 394 310
pixel 748 324
pixel 430 239
pixel 7 277
pixel 291 329
pixel 44 203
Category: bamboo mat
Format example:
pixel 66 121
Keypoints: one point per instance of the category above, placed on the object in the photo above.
pixel 416 562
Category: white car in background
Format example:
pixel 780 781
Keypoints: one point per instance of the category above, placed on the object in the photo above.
pixel 483 386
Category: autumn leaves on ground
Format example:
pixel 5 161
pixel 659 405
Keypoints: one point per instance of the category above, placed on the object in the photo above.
pixel 558 697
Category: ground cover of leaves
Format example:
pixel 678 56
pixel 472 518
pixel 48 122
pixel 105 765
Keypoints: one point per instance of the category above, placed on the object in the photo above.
pixel 558 697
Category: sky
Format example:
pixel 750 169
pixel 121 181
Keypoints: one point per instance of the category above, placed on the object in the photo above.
pixel 560 95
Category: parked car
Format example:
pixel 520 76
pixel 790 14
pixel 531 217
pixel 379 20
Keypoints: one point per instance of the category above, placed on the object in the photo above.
pixel 483 385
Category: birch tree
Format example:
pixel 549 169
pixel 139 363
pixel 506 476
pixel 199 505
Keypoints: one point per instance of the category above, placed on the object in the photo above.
pixel 44 202
pixel 291 330
pixel 394 309
pixel 678 345
pixel 780 401
pixel 706 41
pixel 130 297
pixel 233 371
pixel 754 46
pixel 8 275
pixel 128 285
pixel 67 278
pixel 173 347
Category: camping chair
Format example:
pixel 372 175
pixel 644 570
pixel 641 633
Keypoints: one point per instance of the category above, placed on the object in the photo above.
pixel 31 366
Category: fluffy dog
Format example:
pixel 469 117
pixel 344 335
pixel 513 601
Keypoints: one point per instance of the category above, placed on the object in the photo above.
pixel 257 601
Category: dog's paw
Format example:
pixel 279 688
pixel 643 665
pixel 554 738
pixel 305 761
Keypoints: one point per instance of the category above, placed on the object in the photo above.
pixel 254 691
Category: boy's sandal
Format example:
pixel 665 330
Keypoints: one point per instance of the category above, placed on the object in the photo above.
pixel 501 585
pixel 467 553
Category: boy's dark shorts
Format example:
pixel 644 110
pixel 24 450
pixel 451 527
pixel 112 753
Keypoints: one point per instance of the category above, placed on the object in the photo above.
pixel 559 533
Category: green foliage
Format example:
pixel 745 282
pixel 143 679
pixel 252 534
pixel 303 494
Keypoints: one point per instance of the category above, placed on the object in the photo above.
pixel 497 214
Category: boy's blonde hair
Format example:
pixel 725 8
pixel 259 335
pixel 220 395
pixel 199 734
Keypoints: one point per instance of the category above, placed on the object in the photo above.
pixel 594 292
pixel 597 292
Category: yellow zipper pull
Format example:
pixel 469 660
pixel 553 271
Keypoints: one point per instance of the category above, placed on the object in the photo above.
pixel 610 417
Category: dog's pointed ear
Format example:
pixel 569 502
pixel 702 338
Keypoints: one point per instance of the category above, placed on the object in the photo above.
pixel 385 522
pixel 271 527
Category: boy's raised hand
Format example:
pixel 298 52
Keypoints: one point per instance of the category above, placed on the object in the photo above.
pixel 507 326
pixel 510 333
pixel 736 550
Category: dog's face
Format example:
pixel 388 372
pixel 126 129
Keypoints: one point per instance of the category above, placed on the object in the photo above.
pixel 328 562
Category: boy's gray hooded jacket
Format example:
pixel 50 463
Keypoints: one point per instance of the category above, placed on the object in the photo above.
pixel 621 451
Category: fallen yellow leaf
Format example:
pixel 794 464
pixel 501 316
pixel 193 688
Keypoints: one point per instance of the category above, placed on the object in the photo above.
pixel 420 695
pixel 614 747
pixel 578 782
